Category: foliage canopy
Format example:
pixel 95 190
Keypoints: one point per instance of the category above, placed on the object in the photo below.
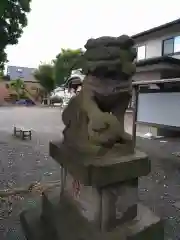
pixel 66 61
pixel 12 21
pixel 44 75
pixel 17 85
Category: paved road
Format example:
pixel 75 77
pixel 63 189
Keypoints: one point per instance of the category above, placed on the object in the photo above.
pixel 24 162
pixel 41 120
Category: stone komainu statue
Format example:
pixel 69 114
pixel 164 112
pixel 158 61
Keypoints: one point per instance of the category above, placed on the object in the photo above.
pixel 94 119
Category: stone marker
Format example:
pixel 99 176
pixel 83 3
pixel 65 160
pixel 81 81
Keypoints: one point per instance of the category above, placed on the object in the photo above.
pixel 98 197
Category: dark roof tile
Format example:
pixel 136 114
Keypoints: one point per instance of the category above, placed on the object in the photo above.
pixel 155 29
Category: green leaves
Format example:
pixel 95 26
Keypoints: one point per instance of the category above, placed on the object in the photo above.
pixel 12 21
pixel 44 75
pixel 18 85
pixel 66 61
pixel 51 75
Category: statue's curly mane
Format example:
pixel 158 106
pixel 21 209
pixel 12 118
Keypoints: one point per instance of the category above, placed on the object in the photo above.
pixel 94 119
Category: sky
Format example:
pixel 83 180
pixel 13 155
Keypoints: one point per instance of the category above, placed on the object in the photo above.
pixel 57 24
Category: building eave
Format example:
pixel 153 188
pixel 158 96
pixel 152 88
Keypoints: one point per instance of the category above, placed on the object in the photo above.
pixel 156 29
pixel 157 60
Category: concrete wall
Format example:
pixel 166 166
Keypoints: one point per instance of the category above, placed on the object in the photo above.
pixel 34 89
pixel 30 86
pixel 3 92
pixel 153 41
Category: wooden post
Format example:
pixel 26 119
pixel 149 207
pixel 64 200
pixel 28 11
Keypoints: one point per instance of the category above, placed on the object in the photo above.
pixel 63 180
pixel 135 109
pixel 14 131
pixel 30 135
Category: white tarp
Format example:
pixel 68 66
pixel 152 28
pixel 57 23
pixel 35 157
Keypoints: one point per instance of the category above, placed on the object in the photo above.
pixel 159 108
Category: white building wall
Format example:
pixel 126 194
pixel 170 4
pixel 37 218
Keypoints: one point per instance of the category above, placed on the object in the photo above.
pixel 157 108
pixel 154 43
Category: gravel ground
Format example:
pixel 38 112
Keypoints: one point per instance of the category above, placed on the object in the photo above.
pixel 22 163
pixel 160 190
pixel 25 162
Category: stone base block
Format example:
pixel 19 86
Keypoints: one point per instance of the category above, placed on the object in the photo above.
pixel 100 171
pixel 33 227
pixel 146 226
pixel 64 222
pixel 119 204
pixel 106 207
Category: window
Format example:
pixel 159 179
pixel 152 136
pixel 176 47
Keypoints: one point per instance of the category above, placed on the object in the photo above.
pixel 141 52
pixel 171 45
pixel 177 44
pixel 168 46
pixel 19 70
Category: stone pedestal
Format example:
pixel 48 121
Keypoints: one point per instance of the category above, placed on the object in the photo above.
pixel 100 171
pixel 98 199
pixel 61 219
pixel 108 206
